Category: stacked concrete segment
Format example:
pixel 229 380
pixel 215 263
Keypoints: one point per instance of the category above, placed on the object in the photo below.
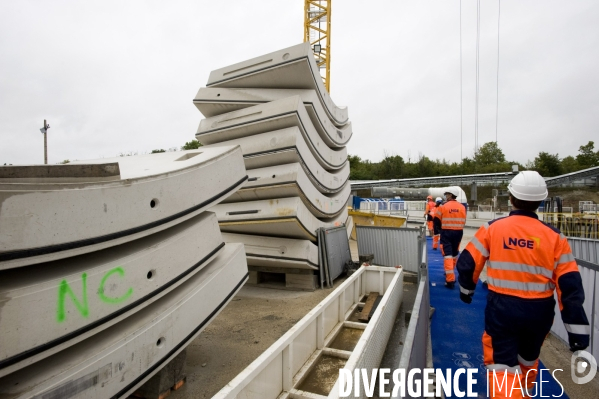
pixel 103 263
pixel 293 140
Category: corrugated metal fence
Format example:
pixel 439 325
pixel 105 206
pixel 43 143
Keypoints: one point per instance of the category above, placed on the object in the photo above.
pixel 586 253
pixel 585 249
pixel 392 246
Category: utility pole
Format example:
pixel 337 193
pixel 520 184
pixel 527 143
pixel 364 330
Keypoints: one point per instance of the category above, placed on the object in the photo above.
pixel 44 131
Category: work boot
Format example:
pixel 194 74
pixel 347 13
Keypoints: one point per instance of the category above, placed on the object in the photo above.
pixel 450 284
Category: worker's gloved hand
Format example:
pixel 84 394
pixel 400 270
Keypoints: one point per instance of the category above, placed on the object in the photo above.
pixel 578 342
pixel 466 298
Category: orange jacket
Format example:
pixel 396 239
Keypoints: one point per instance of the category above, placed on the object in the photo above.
pixel 429 206
pixel 528 259
pixel 451 215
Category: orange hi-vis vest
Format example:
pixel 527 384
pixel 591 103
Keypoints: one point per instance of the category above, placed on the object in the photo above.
pixel 452 215
pixel 430 208
pixel 525 257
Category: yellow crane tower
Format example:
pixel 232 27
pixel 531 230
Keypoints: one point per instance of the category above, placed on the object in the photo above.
pixel 317 31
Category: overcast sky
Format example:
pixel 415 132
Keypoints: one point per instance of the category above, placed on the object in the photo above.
pixel 116 77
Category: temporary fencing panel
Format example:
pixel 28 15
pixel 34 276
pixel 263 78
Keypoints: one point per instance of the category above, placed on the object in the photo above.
pixel 585 249
pixel 391 246
pixel 590 281
pixel 337 252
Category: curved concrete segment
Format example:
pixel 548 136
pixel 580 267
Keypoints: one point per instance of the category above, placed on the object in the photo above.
pixel 290 68
pixel 116 361
pixel 109 286
pixel 290 180
pixel 280 114
pixel 216 101
pixel 288 146
pixel 285 217
pixel 276 252
pixel 42 222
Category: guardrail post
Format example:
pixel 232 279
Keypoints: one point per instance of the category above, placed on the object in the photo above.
pixel 341 315
pixel 287 362
pixel 320 331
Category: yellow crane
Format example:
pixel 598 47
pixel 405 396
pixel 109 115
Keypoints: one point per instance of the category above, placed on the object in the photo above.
pixel 317 31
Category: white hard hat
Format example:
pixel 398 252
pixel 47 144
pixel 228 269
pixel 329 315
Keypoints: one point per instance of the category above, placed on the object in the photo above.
pixel 453 190
pixel 528 185
pixel 438 199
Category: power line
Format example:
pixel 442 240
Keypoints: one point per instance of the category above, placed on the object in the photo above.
pixel 461 91
pixel 497 101
pixel 477 75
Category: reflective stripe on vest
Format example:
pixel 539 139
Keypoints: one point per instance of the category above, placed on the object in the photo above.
pixel 521 267
pixel 518 285
pixel 448 223
pixel 480 247
pixel 564 259
pixel 580 329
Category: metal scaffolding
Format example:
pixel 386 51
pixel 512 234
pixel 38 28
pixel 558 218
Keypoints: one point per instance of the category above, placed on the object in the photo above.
pixel 317 31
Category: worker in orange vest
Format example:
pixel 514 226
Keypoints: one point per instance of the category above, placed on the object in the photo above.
pixel 430 206
pixel 437 231
pixel 451 218
pixel 526 260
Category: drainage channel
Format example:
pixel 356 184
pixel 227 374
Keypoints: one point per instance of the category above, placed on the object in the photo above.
pixel 305 362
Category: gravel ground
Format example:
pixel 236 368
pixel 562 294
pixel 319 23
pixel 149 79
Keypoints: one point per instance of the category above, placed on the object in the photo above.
pixel 248 325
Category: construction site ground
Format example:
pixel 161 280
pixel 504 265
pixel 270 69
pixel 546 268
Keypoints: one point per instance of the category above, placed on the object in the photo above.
pixel 258 316
pixel 254 319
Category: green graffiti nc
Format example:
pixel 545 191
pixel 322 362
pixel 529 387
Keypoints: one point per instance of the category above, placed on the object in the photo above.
pixel 82 306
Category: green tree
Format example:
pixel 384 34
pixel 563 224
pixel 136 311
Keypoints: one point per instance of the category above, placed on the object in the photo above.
pixel 587 157
pixel 425 167
pixel 547 165
pixel 570 164
pixel 360 170
pixel 192 145
pixel 391 167
pixel 157 151
pixel 489 154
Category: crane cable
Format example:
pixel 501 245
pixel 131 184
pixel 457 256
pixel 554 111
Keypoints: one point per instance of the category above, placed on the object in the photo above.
pixel 477 75
pixel 497 102
pixel 461 92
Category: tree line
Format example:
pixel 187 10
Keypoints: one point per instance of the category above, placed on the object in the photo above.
pixel 489 158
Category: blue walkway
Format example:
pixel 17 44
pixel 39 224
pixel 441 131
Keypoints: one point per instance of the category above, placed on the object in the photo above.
pixel 457 328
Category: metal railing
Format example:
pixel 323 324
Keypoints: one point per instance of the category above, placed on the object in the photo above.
pixel 384 208
pixel 590 281
pixel 417 341
pixel 585 249
pixel 571 225
pixel 402 213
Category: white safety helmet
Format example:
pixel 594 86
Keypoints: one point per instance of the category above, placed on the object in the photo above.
pixel 528 185
pixel 438 200
pixel 453 190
